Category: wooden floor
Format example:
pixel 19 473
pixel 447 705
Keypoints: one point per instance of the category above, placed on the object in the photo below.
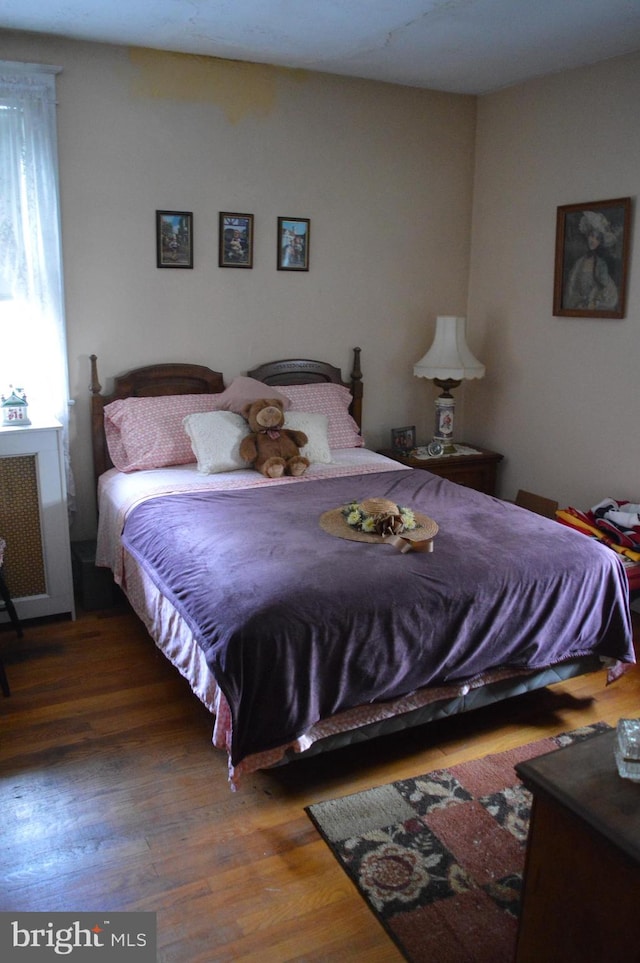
pixel 112 798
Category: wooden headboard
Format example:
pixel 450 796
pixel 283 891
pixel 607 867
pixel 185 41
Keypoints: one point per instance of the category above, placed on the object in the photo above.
pixel 148 382
pixel 193 379
pixel 296 371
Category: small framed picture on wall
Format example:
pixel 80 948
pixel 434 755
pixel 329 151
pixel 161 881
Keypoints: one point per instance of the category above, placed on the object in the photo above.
pixel 174 239
pixel 235 246
pixel 293 243
pixel 592 254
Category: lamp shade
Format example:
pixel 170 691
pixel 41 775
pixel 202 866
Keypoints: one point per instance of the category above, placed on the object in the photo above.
pixel 449 357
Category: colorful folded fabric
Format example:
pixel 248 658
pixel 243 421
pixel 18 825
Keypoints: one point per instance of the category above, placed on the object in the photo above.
pixel 585 523
pixel 620 520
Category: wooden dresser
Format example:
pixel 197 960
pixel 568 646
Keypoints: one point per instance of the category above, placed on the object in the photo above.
pixel 581 893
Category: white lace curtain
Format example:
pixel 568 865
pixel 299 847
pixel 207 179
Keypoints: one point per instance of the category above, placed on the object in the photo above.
pixel 33 354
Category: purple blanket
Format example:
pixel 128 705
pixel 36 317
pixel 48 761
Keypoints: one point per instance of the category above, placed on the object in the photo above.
pixel 297 624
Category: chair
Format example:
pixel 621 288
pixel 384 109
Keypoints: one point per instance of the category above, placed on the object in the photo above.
pixel 6 604
pixel 536 503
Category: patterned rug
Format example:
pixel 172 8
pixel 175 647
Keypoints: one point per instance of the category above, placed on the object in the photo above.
pixel 439 858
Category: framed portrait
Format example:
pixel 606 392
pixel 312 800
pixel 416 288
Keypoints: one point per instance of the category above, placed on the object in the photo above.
pixel 592 256
pixel 293 243
pixel 403 439
pixel 235 246
pixel 174 239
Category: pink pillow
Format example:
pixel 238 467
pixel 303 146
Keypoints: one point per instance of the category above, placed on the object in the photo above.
pixel 243 390
pixel 148 432
pixel 333 401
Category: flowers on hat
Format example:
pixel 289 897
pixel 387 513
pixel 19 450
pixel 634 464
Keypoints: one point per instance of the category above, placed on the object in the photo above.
pixel 379 516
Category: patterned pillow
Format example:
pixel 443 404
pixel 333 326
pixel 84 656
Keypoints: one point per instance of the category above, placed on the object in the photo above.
pixel 333 401
pixel 148 432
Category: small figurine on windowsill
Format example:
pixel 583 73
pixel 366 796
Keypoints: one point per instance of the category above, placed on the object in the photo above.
pixel 15 408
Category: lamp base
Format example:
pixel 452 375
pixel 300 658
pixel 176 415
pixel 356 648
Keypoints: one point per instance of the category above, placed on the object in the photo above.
pixel 445 411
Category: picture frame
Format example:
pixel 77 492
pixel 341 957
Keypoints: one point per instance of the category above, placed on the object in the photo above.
pixel 235 240
pixel 403 439
pixel 293 243
pixel 592 257
pixel 174 239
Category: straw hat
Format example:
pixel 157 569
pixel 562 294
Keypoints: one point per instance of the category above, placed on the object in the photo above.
pixel 381 520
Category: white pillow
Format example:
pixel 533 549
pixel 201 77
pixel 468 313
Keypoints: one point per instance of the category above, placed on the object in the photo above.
pixel 315 427
pixel 215 439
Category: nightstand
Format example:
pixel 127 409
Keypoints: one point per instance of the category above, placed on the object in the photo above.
pixel 473 471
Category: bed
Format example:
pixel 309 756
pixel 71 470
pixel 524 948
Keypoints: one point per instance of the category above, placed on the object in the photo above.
pixel 299 640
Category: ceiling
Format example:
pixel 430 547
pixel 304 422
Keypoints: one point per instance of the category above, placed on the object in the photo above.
pixel 461 46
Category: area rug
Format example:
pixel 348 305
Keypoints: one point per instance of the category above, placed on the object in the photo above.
pixel 439 858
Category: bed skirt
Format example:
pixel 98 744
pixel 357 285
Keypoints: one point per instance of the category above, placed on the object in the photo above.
pixel 174 638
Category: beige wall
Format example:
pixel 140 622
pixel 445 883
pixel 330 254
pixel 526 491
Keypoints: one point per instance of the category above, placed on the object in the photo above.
pixel 384 172
pixel 561 397
pixel 386 175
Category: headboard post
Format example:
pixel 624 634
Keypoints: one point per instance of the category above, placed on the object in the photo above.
pixel 101 460
pixel 356 388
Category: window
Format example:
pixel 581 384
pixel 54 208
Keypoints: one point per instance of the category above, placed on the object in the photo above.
pixel 32 323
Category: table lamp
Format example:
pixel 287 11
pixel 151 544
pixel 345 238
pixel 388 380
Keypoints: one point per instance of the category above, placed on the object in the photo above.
pixel 448 362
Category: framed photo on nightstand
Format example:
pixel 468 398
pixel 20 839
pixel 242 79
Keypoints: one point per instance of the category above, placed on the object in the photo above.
pixel 403 439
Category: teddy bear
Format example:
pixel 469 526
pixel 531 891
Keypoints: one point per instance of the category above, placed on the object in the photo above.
pixel 271 448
